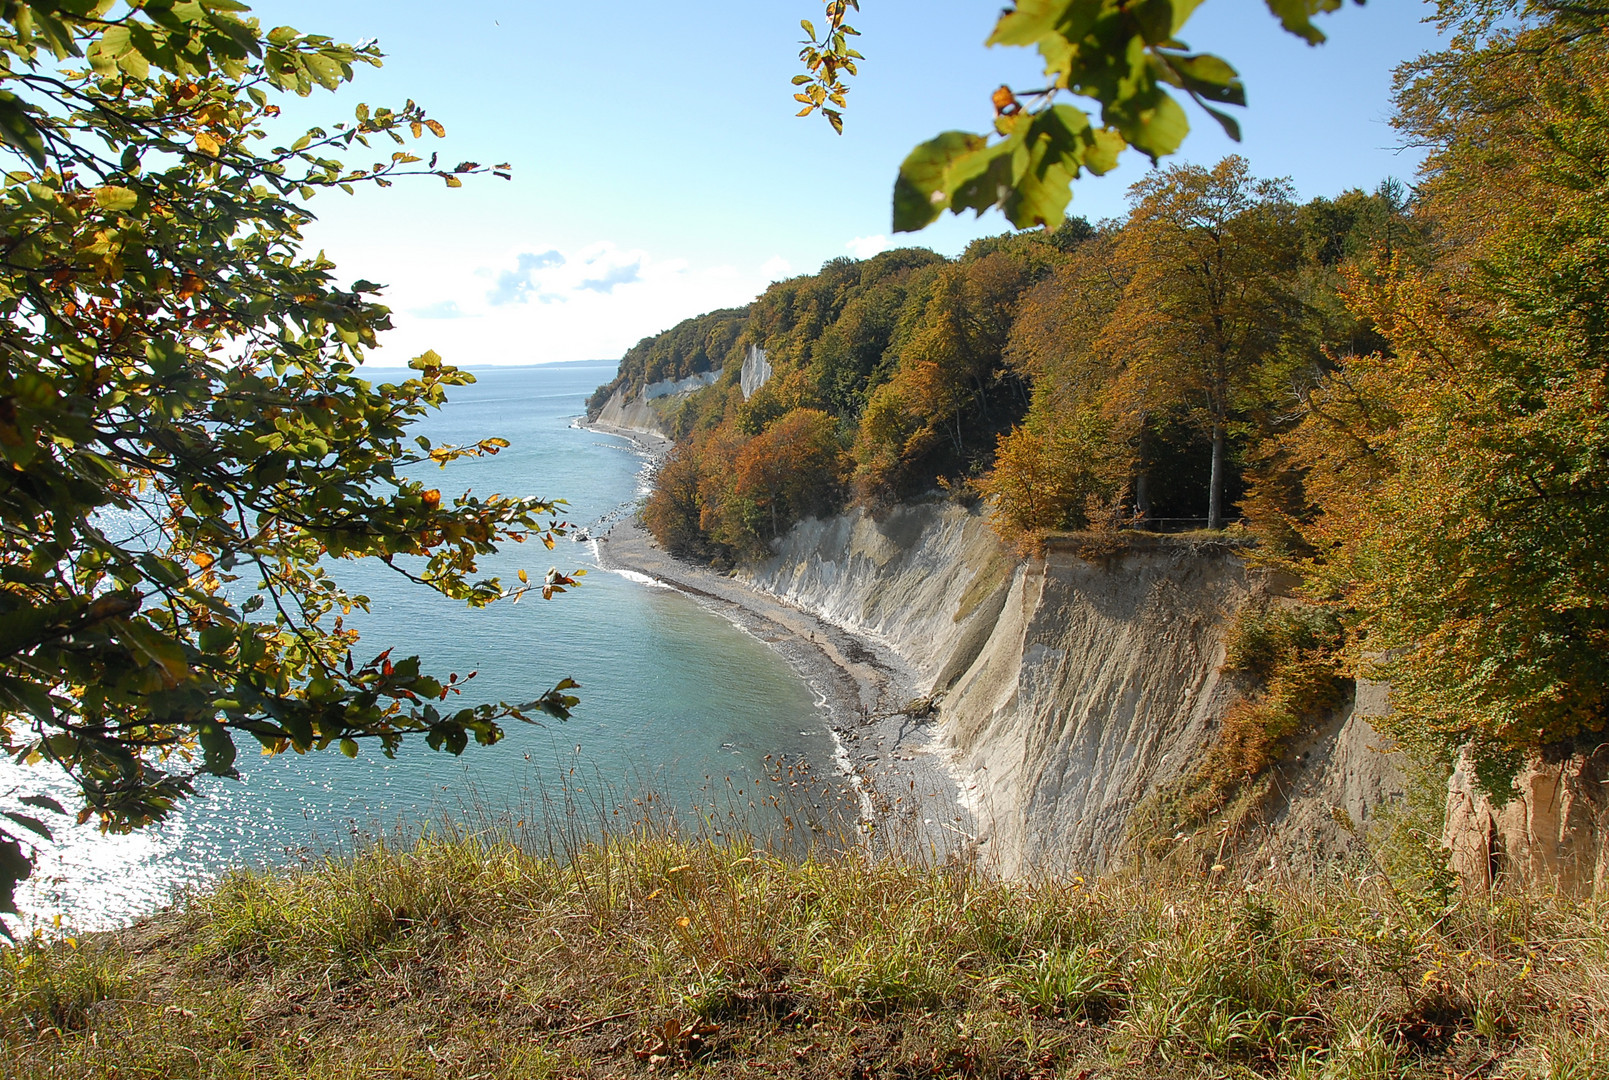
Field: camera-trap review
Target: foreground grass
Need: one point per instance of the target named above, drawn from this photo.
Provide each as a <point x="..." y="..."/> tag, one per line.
<point x="457" y="958"/>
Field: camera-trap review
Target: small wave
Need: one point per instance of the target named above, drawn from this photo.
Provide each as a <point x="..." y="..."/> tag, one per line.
<point x="641" y="579"/>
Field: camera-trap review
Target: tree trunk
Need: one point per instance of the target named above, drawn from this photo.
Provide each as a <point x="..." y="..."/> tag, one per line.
<point x="1142" y="476"/>
<point x="1215" y="500"/>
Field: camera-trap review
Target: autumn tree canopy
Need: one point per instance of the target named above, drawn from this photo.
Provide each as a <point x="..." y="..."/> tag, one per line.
<point x="1455" y="492"/>
<point x="1208" y="257"/>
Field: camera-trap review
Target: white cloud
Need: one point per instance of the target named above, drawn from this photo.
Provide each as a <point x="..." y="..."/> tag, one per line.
<point x="441" y="309"/>
<point x="516" y="285"/>
<point x="864" y="247"/>
<point x="615" y="275"/>
<point x="537" y="303"/>
<point x="776" y="268"/>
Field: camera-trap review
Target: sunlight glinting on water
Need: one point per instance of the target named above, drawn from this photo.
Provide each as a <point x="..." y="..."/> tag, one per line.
<point x="674" y="698"/>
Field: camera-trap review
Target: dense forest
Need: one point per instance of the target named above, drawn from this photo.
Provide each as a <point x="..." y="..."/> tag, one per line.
<point x="692" y="347"/>
<point x="1135" y="368"/>
<point x="1398" y="394"/>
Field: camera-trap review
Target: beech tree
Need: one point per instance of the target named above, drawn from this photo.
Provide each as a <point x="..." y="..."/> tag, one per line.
<point x="1207" y="256"/>
<point x="184" y="438"/>
<point x="1069" y="448"/>
<point x="790" y="471"/>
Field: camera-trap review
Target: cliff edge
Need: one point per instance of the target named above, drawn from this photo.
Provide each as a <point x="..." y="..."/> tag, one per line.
<point x="1068" y="691"/>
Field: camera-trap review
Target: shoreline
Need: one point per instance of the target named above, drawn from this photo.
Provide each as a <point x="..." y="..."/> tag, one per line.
<point x="909" y="797"/>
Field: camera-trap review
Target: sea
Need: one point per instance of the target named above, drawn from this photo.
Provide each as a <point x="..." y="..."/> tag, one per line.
<point x="682" y="714"/>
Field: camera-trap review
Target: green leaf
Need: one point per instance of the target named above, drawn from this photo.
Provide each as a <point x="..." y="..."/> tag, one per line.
<point x="1153" y="123"/>
<point x="164" y="650"/>
<point x="23" y="628"/>
<point x="112" y="197"/>
<point x="32" y="824"/>
<point x="43" y="802"/>
<point x="1058" y="141"/>
<point x="930" y="174"/>
<point x="1029" y="22"/>
<point x="1182" y="10"/>
<point x="103" y="54"/>
<point x="1161" y="20"/>
<point x="14" y="868"/>
<point x="1101" y="156"/>
<point x="1041" y="193"/>
<point x="215" y="639"/>
<point x="18" y="130"/>
<point x="1230" y="125"/>
<point x="1207" y="75"/>
<point x="28" y="696"/>
<point x="1296" y="16"/>
<point x="218" y="749"/>
<point x="163" y="571"/>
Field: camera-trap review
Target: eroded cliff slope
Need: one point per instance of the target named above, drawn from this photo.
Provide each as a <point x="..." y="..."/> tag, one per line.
<point x="1072" y="688"/>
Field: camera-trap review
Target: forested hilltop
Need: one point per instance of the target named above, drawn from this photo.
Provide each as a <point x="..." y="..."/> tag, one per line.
<point x="1091" y="370"/>
<point x="1399" y="394"/>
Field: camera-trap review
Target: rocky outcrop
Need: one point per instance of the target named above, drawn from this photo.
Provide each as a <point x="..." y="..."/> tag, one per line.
<point x="1071" y="688"/>
<point x="673" y="387"/>
<point x="644" y="412"/>
<point x="1553" y="834"/>
<point x="756" y="370"/>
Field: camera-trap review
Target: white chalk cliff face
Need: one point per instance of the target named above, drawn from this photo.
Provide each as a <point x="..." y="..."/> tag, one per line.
<point x="756" y="370"/>
<point x="671" y="387"/>
<point x="1072" y="689"/>
<point x="639" y="414"/>
<point x="1100" y="685"/>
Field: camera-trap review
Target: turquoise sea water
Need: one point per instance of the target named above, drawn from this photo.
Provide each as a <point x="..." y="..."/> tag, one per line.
<point x="674" y="698"/>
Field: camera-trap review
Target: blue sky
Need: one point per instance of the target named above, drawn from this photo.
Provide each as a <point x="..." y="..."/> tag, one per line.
<point x="659" y="171"/>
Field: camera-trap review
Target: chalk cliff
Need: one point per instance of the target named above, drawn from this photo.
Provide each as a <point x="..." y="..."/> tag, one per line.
<point x="756" y="370"/>
<point x="1553" y="834"/>
<point x="642" y="412"/>
<point x="1072" y="689"/>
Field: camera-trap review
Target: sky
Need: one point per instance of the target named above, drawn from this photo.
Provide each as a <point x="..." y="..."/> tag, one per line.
<point x="659" y="171"/>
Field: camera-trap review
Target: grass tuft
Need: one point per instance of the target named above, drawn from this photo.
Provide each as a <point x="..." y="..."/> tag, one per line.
<point x="461" y="957"/>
